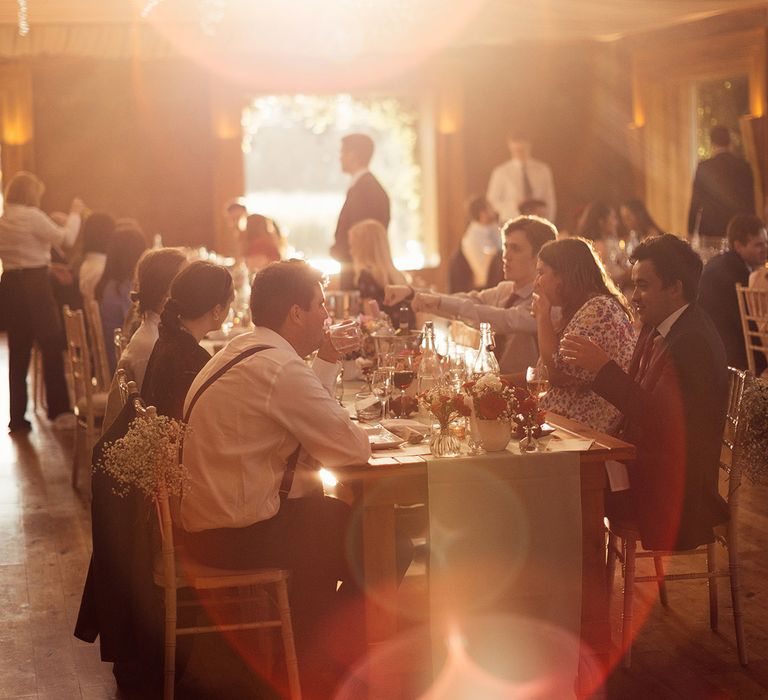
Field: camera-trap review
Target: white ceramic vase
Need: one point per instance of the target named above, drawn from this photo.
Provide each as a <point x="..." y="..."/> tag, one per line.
<point x="494" y="434"/>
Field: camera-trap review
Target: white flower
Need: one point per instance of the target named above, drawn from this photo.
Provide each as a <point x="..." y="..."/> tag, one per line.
<point x="147" y="457"/>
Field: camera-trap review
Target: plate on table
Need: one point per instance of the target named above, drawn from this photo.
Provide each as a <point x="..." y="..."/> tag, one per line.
<point x="380" y="438"/>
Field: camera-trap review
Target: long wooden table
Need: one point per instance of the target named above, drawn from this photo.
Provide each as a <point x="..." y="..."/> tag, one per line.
<point x="381" y="488"/>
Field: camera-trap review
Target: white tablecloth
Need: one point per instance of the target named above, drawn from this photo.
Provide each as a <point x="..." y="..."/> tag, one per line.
<point x="505" y="567"/>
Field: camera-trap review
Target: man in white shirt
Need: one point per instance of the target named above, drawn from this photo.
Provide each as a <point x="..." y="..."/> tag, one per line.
<point x="507" y="306"/>
<point x="244" y="431"/>
<point x="519" y="179"/>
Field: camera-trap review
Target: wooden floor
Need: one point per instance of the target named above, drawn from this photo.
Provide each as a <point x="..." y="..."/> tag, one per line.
<point x="45" y="546"/>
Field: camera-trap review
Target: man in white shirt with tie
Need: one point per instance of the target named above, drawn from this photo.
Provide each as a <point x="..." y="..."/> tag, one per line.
<point x="519" y="179"/>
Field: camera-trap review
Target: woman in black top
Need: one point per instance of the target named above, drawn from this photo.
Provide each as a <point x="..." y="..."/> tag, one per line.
<point x="199" y="301"/>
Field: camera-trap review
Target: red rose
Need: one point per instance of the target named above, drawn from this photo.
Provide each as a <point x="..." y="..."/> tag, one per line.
<point x="491" y="406"/>
<point x="526" y="406"/>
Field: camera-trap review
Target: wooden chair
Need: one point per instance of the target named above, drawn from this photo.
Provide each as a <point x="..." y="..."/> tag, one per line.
<point x="173" y="572"/>
<point x="121" y="342"/>
<point x="89" y="403"/>
<point x="628" y="536"/>
<point x="98" y="348"/>
<point x="753" y="309"/>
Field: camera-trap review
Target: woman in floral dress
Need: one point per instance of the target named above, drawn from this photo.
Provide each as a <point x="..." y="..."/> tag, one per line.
<point x="571" y="276"/>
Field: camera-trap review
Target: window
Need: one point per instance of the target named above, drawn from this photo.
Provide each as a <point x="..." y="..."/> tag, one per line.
<point x="720" y="102"/>
<point x="291" y="152"/>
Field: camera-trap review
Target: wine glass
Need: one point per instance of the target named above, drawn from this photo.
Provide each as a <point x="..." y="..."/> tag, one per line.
<point x="346" y="336"/>
<point x="381" y="385"/>
<point x="537" y="379"/>
<point x="402" y="378"/>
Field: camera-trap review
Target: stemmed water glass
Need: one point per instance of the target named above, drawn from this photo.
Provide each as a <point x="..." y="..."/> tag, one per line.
<point x="537" y="379"/>
<point x="381" y="386"/>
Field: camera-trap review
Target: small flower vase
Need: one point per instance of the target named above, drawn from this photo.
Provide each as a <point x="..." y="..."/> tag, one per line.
<point x="494" y="434"/>
<point x="528" y="443"/>
<point x="443" y="442"/>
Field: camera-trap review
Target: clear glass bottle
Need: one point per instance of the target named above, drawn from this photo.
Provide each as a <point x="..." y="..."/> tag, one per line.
<point x="486" y="362"/>
<point x="430" y="368"/>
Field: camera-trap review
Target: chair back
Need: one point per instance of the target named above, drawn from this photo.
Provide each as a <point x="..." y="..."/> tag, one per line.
<point x="98" y="348"/>
<point x="79" y="359"/>
<point x="732" y="436"/>
<point x="121" y="341"/>
<point x="753" y="309"/>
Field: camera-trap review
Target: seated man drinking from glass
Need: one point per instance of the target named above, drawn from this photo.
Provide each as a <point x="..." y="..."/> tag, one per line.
<point x="258" y="435"/>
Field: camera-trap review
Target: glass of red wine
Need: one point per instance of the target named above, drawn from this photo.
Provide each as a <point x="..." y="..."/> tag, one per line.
<point x="402" y="378"/>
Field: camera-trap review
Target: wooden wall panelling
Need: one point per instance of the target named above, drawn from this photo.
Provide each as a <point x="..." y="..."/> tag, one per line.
<point x="664" y="75"/>
<point x="16" y="119"/>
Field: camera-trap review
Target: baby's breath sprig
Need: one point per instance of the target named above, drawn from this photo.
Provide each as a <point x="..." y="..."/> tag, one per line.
<point x="147" y="457"/>
<point x="753" y="453"/>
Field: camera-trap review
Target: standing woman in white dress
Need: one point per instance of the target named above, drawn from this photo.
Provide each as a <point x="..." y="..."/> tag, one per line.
<point x="26" y="236"/>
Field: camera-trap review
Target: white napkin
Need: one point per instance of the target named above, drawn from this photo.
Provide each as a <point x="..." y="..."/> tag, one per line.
<point x="618" y="477"/>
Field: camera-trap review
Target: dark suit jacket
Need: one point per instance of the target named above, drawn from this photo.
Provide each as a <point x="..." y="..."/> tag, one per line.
<point x="366" y="199"/>
<point x="722" y="187"/>
<point x="120" y="603"/>
<point x="717" y="296"/>
<point x="675" y="418"/>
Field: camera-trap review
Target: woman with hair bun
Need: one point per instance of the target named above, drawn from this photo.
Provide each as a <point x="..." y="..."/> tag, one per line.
<point x="154" y="273"/>
<point x="199" y="301"/>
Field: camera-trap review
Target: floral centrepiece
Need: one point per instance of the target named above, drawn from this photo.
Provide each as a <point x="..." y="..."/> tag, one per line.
<point x="147" y="457"/>
<point x="492" y="398"/>
<point x="528" y="414"/>
<point x="445" y="404"/>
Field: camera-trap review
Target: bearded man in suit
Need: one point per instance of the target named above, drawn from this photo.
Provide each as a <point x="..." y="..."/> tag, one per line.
<point x="366" y="199"/>
<point x="673" y="401"/>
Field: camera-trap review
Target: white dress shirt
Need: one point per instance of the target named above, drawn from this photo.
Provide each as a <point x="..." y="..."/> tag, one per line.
<point x="136" y="354"/>
<point x="666" y="325"/>
<point x="90" y="273"/>
<point x="506" y="191"/>
<point x="479" y="245"/>
<point x="247" y="423"/>
<point x="27" y="234"/>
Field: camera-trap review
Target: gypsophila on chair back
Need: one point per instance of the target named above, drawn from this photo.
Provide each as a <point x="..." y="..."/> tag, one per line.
<point x="753" y="310"/>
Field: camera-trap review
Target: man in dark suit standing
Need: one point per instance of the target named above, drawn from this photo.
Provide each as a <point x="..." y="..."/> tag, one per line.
<point x="366" y="199"/>
<point x="722" y="187"/>
<point x="748" y="243"/>
<point x="673" y="401"/>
